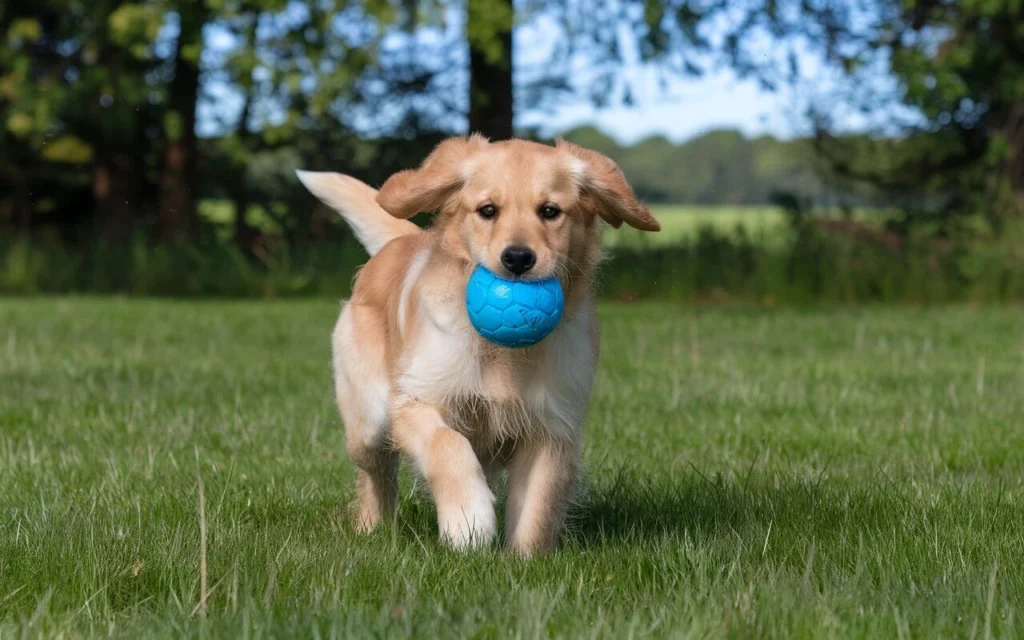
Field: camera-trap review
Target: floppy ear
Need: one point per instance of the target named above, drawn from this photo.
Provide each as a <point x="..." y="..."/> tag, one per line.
<point x="604" y="189"/>
<point x="425" y="189"/>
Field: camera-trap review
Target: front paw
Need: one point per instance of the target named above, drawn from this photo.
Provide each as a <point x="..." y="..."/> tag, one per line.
<point x="470" y="523"/>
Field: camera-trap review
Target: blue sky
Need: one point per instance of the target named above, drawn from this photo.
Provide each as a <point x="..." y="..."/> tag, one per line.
<point x="693" y="106"/>
<point x="675" y="107"/>
<point x="687" y="107"/>
<point x="717" y="100"/>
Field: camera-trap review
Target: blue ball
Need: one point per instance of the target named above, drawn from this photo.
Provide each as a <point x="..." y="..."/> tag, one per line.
<point x="513" y="313"/>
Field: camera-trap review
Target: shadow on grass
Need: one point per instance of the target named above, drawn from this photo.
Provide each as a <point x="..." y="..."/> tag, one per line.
<point x="627" y="505"/>
<point x="631" y="506"/>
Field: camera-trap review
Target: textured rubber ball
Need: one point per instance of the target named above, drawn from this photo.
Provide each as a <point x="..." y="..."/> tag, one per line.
<point x="513" y="313"/>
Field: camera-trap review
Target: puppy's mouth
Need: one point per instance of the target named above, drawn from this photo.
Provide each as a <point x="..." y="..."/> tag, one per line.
<point x="525" y="277"/>
<point x="533" y="274"/>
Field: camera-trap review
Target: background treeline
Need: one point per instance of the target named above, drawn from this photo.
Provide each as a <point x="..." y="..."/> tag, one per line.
<point x="726" y="168"/>
<point x="148" y="146"/>
<point x="717" y="168"/>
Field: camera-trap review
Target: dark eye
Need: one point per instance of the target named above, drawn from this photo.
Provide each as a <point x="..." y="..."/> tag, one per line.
<point x="487" y="211"/>
<point x="549" y="212"/>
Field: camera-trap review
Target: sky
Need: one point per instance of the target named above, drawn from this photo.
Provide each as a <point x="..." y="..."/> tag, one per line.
<point x="717" y="100"/>
<point x="692" y="106"/>
<point x="687" y="107"/>
<point x="675" y="107"/>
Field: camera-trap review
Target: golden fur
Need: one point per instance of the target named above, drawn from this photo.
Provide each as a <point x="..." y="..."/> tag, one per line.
<point x="413" y="377"/>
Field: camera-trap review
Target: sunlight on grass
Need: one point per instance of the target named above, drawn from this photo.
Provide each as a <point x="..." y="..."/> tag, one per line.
<point x="678" y="222"/>
<point x="683" y="222"/>
<point x="770" y="474"/>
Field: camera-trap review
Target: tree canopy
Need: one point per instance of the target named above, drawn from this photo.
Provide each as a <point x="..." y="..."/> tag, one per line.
<point x="118" y="116"/>
<point x="937" y="87"/>
<point x="127" y="111"/>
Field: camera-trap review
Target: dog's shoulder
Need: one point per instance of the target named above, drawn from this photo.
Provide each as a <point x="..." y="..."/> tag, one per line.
<point x="377" y="282"/>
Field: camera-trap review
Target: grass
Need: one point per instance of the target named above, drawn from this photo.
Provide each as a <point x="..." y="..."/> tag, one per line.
<point x="750" y="474"/>
<point x="679" y="222"/>
<point x="765" y="225"/>
<point x="761" y="260"/>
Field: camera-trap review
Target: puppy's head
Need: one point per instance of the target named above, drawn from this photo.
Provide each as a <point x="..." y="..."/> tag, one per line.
<point x="522" y="209"/>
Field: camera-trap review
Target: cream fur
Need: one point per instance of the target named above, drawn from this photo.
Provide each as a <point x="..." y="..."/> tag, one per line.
<point x="411" y="374"/>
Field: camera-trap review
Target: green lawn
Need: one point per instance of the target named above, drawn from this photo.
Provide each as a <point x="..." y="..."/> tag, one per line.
<point x="762" y="224"/>
<point x="749" y="474"/>
<point x="683" y="221"/>
<point x="679" y="221"/>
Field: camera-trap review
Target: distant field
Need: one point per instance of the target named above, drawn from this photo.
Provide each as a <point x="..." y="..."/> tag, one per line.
<point x="678" y="221"/>
<point x="749" y="474"/>
<point x="684" y="221"/>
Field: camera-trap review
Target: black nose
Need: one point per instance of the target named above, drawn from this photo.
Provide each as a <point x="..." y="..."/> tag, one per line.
<point x="518" y="260"/>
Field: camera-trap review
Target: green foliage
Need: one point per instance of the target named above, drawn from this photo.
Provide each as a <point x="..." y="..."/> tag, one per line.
<point x="135" y="26"/>
<point x="79" y="104"/>
<point x="23" y="31"/>
<point x="749" y="263"/>
<point x="959" y="72"/>
<point x="749" y="474"/>
<point x="88" y="122"/>
<point x="488" y="19"/>
<point x="725" y="168"/>
<point x="173" y="126"/>
<point x="69" y="149"/>
<point x="86" y="96"/>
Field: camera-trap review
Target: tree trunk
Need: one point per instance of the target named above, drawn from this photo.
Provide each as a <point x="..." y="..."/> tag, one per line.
<point x="1014" y="132"/>
<point x="115" y="189"/>
<point x="177" y="217"/>
<point x="489" y="29"/>
<point x="244" y="233"/>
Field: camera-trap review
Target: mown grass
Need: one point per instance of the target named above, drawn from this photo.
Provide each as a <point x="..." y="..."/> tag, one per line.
<point x="766" y="226"/>
<point x="749" y="474"/>
<point x="679" y="222"/>
<point x="751" y="256"/>
<point x="807" y="268"/>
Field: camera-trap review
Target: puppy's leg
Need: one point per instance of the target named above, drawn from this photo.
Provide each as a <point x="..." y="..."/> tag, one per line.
<point x="465" y="504"/>
<point x="361" y="386"/>
<point x="377" y="480"/>
<point x="541" y="479"/>
<point x="376" y="489"/>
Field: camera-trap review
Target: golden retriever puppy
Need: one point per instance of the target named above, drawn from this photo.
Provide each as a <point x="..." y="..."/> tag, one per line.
<point x="413" y="377"/>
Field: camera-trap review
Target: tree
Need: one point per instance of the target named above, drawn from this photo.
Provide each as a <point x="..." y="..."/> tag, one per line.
<point x="177" y="213"/>
<point x="104" y="95"/>
<point x="75" y="102"/>
<point x="940" y="86"/>
<point x="491" y="93"/>
<point x="568" y="50"/>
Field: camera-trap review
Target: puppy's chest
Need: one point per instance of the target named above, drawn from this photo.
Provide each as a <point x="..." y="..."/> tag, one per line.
<point x="451" y="362"/>
<point x="483" y="388"/>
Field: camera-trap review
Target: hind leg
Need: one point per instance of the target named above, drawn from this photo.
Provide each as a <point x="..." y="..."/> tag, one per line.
<point x="376" y="491"/>
<point x="362" y="391"/>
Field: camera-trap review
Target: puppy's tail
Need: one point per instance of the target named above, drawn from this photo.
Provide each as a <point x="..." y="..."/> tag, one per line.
<point x="356" y="202"/>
